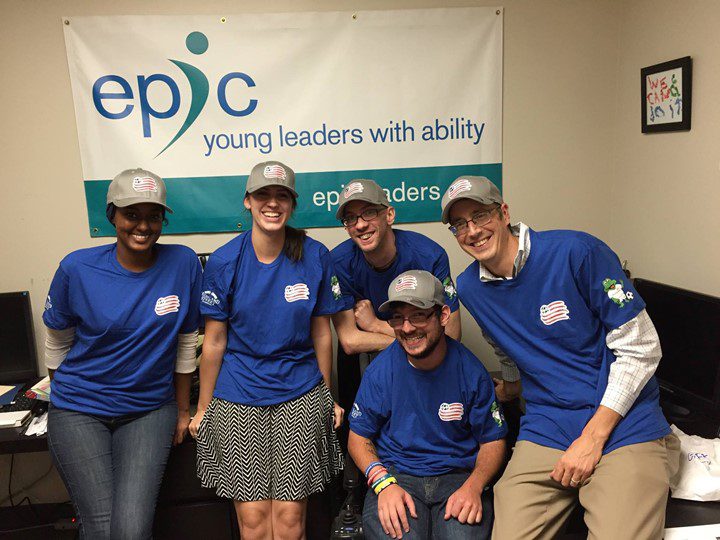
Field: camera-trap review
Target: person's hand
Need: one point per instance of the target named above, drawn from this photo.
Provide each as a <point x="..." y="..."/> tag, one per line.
<point x="465" y="505"/>
<point x="578" y="462"/>
<point x="339" y="414"/>
<point x="181" y="427"/>
<point x="506" y="391"/>
<point x="365" y="316"/>
<point x="391" y="510"/>
<point x="195" y="423"/>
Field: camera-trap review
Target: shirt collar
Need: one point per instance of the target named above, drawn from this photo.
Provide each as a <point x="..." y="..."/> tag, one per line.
<point x="522" y="232"/>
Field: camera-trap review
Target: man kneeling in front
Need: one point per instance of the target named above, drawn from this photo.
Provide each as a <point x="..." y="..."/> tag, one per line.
<point x="425" y="426"/>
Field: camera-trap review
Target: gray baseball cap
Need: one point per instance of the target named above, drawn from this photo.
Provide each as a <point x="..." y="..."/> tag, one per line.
<point x="361" y="189"/>
<point x="477" y="188"/>
<point x="136" y="186"/>
<point x="417" y="288"/>
<point x="271" y="173"/>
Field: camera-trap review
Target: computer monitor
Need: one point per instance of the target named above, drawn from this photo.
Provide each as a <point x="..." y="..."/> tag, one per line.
<point x="688" y="324"/>
<point x="18" y="361"/>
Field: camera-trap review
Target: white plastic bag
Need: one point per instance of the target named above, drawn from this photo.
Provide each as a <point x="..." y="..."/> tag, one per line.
<point x="698" y="477"/>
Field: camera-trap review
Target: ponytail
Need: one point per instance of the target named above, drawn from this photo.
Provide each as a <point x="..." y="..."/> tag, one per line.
<point x="294" y="240"/>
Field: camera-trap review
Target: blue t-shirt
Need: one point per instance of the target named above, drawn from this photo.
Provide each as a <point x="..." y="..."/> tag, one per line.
<point x="126" y="327"/>
<point x="552" y="320"/>
<point x="269" y="357"/>
<point x="427" y="423"/>
<point x="359" y="281"/>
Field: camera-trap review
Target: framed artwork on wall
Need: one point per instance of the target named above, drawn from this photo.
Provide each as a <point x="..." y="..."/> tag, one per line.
<point x="666" y="96"/>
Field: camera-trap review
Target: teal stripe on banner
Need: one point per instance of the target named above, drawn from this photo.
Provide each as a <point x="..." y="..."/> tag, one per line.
<point x="215" y="203"/>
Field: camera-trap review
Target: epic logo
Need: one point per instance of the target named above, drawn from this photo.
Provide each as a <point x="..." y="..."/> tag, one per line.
<point x="197" y="43"/>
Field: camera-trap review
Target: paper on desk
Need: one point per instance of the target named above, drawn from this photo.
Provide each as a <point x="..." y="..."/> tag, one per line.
<point x="13" y="419"/>
<point x="41" y="390"/>
<point x="7" y="393"/>
<point x="701" y="532"/>
<point x="38" y="426"/>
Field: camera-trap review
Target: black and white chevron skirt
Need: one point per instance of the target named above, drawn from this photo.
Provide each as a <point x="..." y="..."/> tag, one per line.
<point x="283" y="452"/>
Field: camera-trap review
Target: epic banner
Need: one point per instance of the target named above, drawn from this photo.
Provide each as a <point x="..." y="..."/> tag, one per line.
<point x="411" y="99"/>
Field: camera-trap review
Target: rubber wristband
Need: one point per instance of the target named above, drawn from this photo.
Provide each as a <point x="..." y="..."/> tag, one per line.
<point x="375" y="474"/>
<point x="385" y="484"/>
<point x="369" y="467"/>
<point x="380" y="480"/>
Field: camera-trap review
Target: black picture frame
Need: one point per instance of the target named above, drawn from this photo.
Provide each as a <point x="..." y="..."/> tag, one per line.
<point x="660" y="109"/>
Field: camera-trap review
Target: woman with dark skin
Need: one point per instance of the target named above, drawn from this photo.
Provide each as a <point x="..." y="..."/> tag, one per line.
<point x="122" y="324"/>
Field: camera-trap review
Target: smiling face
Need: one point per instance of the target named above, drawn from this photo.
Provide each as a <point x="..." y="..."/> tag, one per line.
<point x="138" y="226"/>
<point x="369" y="235"/>
<point x="271" y="208"/>
<point x="419" y="342"/>
<point x="490" y="243"/>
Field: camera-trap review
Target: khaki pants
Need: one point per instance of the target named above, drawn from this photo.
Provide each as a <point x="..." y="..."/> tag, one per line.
<point x="625" y="498"/>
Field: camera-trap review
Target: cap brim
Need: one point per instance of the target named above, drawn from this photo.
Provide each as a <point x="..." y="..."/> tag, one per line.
<point x="291" y="190"/>
<point x="364" y="198"/>
<point x="446" y="211"/>
<point x="385" y="306"/>
<point x="139" y="200"/>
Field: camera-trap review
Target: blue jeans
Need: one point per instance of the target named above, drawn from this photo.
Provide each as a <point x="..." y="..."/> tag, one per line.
<point x="112" y="467"/>
<point x="430" y="495"/>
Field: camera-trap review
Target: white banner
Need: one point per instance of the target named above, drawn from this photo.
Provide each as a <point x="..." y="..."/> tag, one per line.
<point x="410" y="98"/>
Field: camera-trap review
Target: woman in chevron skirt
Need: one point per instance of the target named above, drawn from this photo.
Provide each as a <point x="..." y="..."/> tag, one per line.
<point x="265" y="421"/>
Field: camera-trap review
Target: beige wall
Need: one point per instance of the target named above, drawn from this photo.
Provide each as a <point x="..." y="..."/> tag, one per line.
<point x="574" y="156"/>
<point x="554" y="165"/>
<point x="666" y="186"/>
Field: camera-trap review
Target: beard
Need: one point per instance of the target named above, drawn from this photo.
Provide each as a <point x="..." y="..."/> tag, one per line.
<point x="428" y="350"/>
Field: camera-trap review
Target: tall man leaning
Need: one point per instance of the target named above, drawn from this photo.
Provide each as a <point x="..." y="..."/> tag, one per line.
<point x="566" y="321"/>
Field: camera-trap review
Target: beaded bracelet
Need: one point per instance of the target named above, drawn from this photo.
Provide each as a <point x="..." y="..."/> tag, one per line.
<point x="386" y="482"/>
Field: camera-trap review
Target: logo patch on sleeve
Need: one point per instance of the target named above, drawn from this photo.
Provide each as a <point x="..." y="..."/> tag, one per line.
<point x="209" y="298"/>
<point x="167" y="304"/>
<point x="497" y="414"/>
<point x="296" y="292"/>
<point x="614" y="290"/>
<point x="356" y="412"/>
<point x="449" y="286"/>
<point x="554" y="312"/>
<point x="48" y="303"/>
<point x="449" y="412"/>
<point x="335" y="286"/>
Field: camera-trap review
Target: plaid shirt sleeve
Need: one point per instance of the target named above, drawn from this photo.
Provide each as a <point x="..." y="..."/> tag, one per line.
<point x="637" y="349"/>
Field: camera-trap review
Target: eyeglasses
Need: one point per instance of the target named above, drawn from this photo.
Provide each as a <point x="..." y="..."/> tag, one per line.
<point x="480" y="219"/>
<point x="417" y="319"/>
<point x="367" y="215"/>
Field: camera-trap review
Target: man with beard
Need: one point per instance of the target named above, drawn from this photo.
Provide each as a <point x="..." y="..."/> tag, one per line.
<point x="424" y="406"/>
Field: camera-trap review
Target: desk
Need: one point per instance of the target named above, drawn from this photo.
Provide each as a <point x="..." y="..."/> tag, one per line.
<point x="12" y="441"/>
